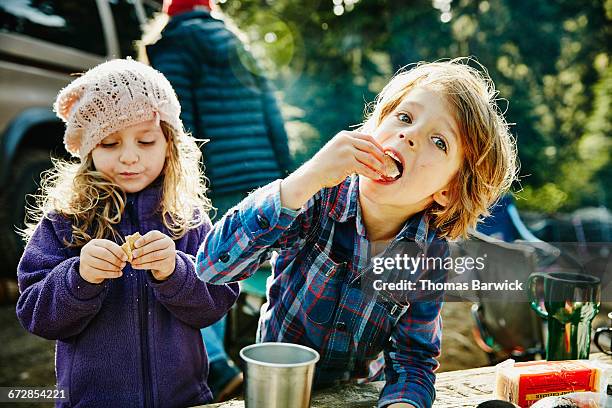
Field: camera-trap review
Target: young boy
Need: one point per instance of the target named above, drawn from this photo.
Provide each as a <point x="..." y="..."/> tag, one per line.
<point x="431" y="158"/>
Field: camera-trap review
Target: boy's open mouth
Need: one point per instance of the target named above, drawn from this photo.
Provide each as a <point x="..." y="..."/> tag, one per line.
<point x="393" y="166"/>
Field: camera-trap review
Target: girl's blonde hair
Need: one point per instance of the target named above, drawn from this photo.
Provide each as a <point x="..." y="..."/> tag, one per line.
<point x="151" y="33"/>
<point x="490" y="163"/>
<point x="94" y="204"/>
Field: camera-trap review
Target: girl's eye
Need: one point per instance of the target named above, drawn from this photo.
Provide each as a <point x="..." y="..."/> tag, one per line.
<point x="440" y="143"/>
<point x="108" y="145"/>
<point x="146" y="143"/>
<point x="404" y="117"/>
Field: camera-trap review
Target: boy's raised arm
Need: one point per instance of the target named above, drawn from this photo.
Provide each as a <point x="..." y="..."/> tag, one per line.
<point x="345" y="154"/>
<point x="298" y="188"/>
<point x="243" y="238"/>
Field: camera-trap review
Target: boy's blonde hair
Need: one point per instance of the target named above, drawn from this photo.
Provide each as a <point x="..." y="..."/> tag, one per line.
<point x="94" y="204"/>
<point x="490" y="164"/>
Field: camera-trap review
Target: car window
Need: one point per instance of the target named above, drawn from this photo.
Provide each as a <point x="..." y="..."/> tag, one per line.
<point x="127" y="25"/>
<point x="71" y="23"/>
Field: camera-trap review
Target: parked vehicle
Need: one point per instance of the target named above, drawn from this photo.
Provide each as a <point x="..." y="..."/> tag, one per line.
<point x="43" y="43"/>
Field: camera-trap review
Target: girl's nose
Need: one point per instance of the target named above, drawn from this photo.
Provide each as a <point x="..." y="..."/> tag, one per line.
<point x="129" y="156"/>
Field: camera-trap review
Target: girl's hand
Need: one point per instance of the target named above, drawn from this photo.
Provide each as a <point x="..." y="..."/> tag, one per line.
<point x="157" y="252"/>
<point x="345" y="154"/>
<point x="101" y="259"/>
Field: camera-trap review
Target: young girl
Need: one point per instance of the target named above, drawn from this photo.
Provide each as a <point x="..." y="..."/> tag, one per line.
<point x="127" y="329"/>
<point x="428" y="162"/>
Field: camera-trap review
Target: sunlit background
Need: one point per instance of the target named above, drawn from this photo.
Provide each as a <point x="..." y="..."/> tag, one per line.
<point x="550" y="61"/>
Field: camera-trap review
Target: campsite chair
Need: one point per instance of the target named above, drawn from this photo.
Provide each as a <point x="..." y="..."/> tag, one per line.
<point x="506" y="329"/>
<point x="504" y="326"/>
<point x="584" y="234"/>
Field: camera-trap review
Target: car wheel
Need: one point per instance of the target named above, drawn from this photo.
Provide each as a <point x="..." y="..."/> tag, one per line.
<point x="24" y="179"/>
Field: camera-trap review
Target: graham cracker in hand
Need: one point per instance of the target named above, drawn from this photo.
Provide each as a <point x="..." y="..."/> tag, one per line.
<point x="128" y="247"/>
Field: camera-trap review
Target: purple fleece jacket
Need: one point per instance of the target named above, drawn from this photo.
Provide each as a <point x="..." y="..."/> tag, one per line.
<point x="127" y="342"/>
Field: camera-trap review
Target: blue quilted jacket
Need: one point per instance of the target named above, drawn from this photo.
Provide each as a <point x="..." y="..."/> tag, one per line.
<point x="223" y="101"/>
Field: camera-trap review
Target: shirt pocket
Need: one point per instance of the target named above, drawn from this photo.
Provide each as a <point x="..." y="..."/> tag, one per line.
<point x="322" y="285"/>
<point x="377" y="335"/>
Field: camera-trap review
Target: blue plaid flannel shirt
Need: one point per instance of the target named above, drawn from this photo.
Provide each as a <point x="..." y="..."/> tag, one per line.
<point x="315" y="297"/>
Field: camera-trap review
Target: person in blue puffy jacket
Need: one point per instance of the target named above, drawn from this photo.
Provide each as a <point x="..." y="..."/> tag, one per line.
<point x="233" y="108"/>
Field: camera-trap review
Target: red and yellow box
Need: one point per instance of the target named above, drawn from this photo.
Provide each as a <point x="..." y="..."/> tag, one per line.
<point x="525" y="383"/>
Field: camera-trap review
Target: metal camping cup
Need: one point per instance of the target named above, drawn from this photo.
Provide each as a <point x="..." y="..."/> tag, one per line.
<point x="604" y="344"/>
<point x="569" y="302"/>
<point x="278" y="375"/>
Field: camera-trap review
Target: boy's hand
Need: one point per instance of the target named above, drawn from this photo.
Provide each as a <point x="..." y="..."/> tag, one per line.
<point x="101" y="259"/>
<point x="346" y="153"/>
<point x="157" y="252"/>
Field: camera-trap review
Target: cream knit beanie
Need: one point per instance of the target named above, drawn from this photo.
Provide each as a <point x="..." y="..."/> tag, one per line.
<point x="110" y="97"/>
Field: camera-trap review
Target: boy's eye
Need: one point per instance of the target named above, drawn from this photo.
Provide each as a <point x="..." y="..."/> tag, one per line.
<point x="440" y="143"/>
<point x="404" y="117"/>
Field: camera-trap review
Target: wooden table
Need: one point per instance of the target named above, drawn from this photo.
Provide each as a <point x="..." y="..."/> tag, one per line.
<point x="457" y="389"/>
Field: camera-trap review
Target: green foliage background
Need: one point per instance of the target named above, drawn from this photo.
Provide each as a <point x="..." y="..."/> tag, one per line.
<point x="550" y="60"/>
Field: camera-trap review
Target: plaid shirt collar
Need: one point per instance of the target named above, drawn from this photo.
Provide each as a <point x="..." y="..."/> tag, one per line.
<point x="346" y="205"/>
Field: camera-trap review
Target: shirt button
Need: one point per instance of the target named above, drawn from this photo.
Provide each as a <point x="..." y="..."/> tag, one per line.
<point x="262" y="222"/>
<point x="224" y="257"/>
<point x="341" y="326"/>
